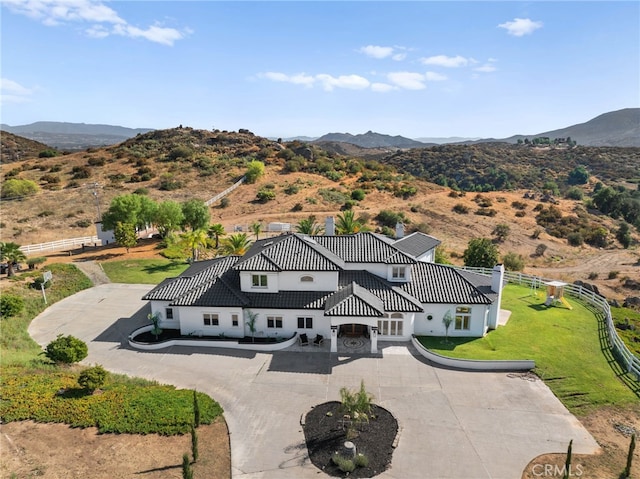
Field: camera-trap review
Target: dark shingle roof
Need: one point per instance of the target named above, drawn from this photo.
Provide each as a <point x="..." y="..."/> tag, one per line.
<point x="416" y="244"/>
<point x="363" y="248"/>
<point x="353" y="300"/>
<point x="198" y="273"/>
<point x="288" y="253"/>
<point x="436" y="283"/>
<point x="393" y="298"/>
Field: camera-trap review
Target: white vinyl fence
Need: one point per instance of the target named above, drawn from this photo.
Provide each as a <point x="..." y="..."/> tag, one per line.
<point x="626" y="358"/>
<point x="219" y="196"/>
<point x="60" y="244"/>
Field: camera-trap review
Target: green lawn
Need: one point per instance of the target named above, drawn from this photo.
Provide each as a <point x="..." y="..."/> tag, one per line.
<point x="143" y="271"/>
<point x="568" y="346"/>
<point x="631" y="337"/>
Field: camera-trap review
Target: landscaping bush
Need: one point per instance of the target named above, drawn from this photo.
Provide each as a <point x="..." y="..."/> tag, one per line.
<point x="93" y="378"/>
<point x="66" y="349"/>
<point x="10" y="305"/>
<point x="513" y="262"/>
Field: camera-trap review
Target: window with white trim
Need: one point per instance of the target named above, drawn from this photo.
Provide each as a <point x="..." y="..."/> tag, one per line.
<point x="274" y="322"/>
<point x="390" y="327"/>
<point x="305" y="323"/>
<point x="210" y="319"/>
<point x="399" y="273"/>
<point x="168" y="312"/>
<point x="234" y="320"/>
<point x="463" y="318"/>
<point x="306" y="279"/>
<point x="258" y="280"/>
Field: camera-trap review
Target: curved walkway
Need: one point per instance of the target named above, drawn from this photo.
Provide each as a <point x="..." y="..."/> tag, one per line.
<point x="454" y="424"/>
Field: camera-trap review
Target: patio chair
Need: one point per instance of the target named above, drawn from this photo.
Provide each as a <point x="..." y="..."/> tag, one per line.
<point x="303" y="340"/>
<point x="319" y="340"/>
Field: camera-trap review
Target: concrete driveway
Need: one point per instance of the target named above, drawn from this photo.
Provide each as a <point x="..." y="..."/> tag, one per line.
<point x="454" y="424"/>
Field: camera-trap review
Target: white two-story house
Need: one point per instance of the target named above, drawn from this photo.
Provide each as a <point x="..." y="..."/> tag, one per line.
<point x="330" y="285"/>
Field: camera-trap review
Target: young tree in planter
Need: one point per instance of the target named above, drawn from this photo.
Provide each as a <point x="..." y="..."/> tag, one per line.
<point x="155" y="320"/>
<point x="253" y="317"/>
<point x="357" y="405"/>
<point x="447" y="320"/>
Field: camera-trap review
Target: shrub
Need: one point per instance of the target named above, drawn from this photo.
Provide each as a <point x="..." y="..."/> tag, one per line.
<point x="255" y="169"/>
<point x="519" y="205"/>
<point x="536" y="233"/>
<point x="593" y="275"/>
<point x="520" y="214"/>
<point x="265" y="195"/>
<point x="66" y="349"/>
<point x="291" y="189"/>
<point x="540" y="249"/>
<point x="45" y="213"/>
<point x="513" y="262"/>
<point x="80" y="172"/>
<point x="10" y="305"/>
<point x="180" y="152"/>
<point x="169" y="183"/>
<point x="100" y="161"/>
<point x="358" y="194"/>
<point x="224" y="202"/>
<point x="390" y="219"/>
<point x="50" y="153"/>
<point x="344" y="464"/>
<point x="361" y="460"/>
<point x="575" y="239"/>
<point x="34" y="262"/>
<point x="481" y="252"/>
<point x="574" y="193"/>
<point x="93" y="378"/>
<point x="85" y="223"/>
<point x="613" y="274"/>
<point x="50" y="179"/>
<point x="460" y="209"/>
<point x="578" y="176"/>
<point x="297" y="207"/>
<point x="15" y="188"/>
<point x="486" y="212"/>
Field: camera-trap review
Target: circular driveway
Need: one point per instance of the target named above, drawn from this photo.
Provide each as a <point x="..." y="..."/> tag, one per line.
<point x="454" y="424"/>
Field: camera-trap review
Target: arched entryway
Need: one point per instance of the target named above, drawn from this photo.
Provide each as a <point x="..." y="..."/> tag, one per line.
<point x="354" y="327"/>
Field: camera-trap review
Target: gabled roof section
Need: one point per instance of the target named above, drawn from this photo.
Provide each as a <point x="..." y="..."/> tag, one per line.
<point x="197" y="274"/>
<point x="393" y="298"/>
<point x="363" y="248"/>
<point x="354" y="300"/>
<point x="436" y="283"/>
<point x="291" y="252"/>
<point x="216" y="292"/>
<point x="416" y="244"/>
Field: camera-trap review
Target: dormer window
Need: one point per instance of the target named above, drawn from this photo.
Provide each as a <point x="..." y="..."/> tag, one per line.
<point x="258" y="280"/>
<point x="306" y="279"/>
<point x="399" y="273"/>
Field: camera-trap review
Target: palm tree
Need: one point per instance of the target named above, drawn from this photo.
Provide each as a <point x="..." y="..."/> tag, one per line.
<point x="215" y="231"/>
<point x="256" y="228"/>
<point x="308" y="226"/>
<point x="348" y="224"/>
<point x="195" y="240"/>
<point x="236" y="244"/>
<point x="12" y="254"/>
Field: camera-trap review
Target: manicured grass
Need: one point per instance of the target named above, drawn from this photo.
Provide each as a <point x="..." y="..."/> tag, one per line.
<point x="122" y="406"/>
<point x="568" y="346"/>
<point x="15" y="343"/>
<point x="142" y="271"/>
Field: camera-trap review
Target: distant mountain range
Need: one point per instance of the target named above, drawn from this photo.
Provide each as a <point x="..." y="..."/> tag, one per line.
<point x="73" y="136"/>
<point x="616" y="128"/>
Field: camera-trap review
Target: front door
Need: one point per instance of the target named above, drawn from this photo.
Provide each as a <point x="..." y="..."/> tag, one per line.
<point x="352" y="330"/>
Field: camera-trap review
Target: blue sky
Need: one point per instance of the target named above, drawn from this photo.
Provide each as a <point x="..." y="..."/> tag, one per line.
<point x="282" y="69"/>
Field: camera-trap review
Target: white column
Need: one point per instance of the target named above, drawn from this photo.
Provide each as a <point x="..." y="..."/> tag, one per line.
<point x="334" y="339"/>
<point x="374" y="339"/>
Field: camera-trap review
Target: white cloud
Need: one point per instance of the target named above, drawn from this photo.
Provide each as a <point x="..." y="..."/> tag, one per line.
<point x="445" y="61"/>
<point x="486" y="68"/>
<point x="374" y="51"/>
<point x="299" y="79"/>
<point x="433" y="76"/>
<point x="382" y="87"/>
<point x="12" y="92"/>
<point x="352" y="82"/>
<point x="520" y="26"/>
<point x="105" y="21"/>
<point x="395" y="53"/>
<point x="408" y="80"/>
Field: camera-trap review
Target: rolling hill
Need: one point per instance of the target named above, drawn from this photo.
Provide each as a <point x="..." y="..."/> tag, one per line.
<point x="16" y="148"/>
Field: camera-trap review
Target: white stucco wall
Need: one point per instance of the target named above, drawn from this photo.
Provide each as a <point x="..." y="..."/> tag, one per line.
<point x="321" y="324"/>
<point x="191" y="321"/>
<point x="247" y="285"/>
<point x="428" y="257"/>
<point x="435" y="327"/>
<point x="160" y="307"/>
<point x="322" y="281"/>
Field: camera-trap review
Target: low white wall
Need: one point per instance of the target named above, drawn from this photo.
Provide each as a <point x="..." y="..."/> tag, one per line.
<point x="474" y="364"/>
<point x="206" y="343"/>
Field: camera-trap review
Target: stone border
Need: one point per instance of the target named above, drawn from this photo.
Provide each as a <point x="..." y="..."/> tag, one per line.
<point x="474" y="364"/>
<point x="206" y="343"/>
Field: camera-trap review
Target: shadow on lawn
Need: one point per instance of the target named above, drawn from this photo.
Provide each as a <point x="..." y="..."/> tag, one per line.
<point x="162" y="268"/>
<point x="603" y="337"/>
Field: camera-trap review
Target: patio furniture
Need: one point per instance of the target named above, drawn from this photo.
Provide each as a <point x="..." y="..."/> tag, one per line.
<point x="303" y="340"/>
<point x="319" y="340"/>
